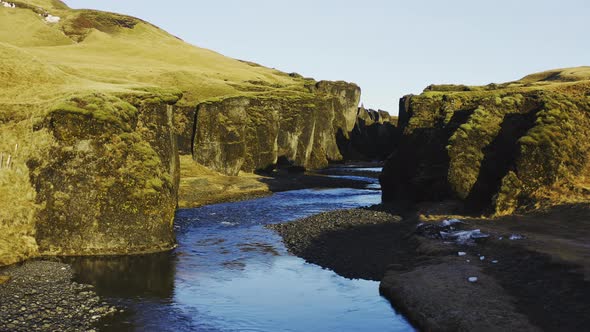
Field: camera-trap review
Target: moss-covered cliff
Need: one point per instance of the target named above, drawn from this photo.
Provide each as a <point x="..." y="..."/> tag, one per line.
<point x="252" y="133"/>
<point x="109" y="183"/>
<point x="519" y="145"/>
<point x="93" y="118"/>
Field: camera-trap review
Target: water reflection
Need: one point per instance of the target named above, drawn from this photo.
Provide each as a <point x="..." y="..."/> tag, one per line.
<point x="144" y="276"/>
<point x="229" y="273"/>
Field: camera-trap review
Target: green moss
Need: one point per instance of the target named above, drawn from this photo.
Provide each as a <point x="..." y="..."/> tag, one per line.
<point x="98" y="107"/>
<point x="507" y="200"/>
<point x="85" y="21"/>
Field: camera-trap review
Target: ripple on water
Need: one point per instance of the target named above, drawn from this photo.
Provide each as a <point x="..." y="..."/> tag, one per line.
<point x="229" y="273"/>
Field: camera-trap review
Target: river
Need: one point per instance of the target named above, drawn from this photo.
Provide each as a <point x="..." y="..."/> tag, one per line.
<point x="230" y="273"/>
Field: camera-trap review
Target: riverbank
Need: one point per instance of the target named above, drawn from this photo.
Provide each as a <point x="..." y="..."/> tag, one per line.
<point x="201" y="186"/>
<point x="539" y="280"/>
<point x="41" y="296"/>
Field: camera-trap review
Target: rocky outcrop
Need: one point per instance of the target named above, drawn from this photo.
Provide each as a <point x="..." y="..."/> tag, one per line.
<point x="89" y="153"/>
<point x="498" y="148"/>
<point x="106" y="181"/>
<point x="109" y="183"/>
<point x="374" y="136"/>
<point x="250" y="133"/>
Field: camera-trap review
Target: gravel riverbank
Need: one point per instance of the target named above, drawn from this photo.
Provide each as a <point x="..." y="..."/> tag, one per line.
<point x="535" y="280"/>
<point x="41" y="296"/>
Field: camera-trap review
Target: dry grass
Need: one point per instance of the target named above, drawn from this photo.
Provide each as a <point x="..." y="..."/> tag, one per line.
<point x="17" y="223"/>
<point x="91" y="52"/>
<point x="200" y="185"/>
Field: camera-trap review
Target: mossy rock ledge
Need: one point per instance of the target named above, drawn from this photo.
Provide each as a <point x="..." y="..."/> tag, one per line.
<point x="500" y="148"/>
<point x="250" y="133"/>
<point x="94" y="118"/>
<point x="109" y="183"/>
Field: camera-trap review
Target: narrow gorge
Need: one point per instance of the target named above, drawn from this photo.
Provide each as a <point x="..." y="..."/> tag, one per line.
<point x="150" y="184"/>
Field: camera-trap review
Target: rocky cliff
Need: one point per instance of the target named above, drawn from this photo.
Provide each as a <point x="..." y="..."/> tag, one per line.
<point x="374" y="137"/>
<point x="89" y="152"/>
<point x="109" y="183"/>
<point x="499" y="148"/>
<point x="252" y="133"/>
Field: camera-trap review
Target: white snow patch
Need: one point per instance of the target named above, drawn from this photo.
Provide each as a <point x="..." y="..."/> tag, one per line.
<point x="450" y="222"/>
<point x="52" y="19"/>
<point x="482" y="258"/>
<point x="461" y="253"/>
<point x="494" y="262"/>
<point x="516" y="237"/>
<point x="472" y="279"/>
<point x="463" y="237"/>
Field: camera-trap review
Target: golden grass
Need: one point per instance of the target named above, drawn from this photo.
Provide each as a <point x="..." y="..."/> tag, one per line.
<point x="43" y="61"/>
<point x="43" y="65"/>
<point x="200" y="185"/>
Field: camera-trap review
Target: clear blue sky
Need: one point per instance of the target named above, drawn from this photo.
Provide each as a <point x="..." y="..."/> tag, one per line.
<point x="390" y="48"/>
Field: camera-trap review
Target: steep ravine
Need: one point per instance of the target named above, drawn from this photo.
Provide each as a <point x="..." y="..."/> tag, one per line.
<point x="108" y="182"/>
<point x="498" y="148"/>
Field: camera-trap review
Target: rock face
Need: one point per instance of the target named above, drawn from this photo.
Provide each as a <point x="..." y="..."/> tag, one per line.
<point x="374" y="136"/>
<point x="109" y="183"/>
<point x="89" y="153"/>
<point x="253" y="133"/>
<point x="499" y="148"/>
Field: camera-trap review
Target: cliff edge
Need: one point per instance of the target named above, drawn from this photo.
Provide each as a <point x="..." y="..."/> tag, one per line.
<point x="96" y="109"/>
<point x="498" y="148"/>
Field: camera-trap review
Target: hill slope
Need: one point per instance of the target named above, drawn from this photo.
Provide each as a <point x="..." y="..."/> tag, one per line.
<point x="95" y="108"/>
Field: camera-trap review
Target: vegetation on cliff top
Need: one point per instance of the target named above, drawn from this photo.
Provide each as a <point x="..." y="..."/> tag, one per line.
<point x="516" y="145"/>
<point x="109" y="68"/>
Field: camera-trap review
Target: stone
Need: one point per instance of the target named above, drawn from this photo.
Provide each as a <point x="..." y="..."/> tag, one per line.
<point x="499" y="149"/>
<point x="252" y="133"/>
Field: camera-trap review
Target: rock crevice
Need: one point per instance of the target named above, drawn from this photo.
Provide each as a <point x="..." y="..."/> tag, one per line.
<point x="499" y="149"/>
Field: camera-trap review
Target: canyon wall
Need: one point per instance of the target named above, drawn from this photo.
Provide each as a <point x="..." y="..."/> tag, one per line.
<point x="498" y="148"/>
<point x="374" y="137"/>
<point x="108" y="184"/>
<point x="250" y="133"/>
<point x="105" y="177"/>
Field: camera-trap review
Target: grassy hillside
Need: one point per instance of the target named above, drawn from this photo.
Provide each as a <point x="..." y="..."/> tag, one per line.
<point x="91" y="50"/>
<point x="81" y="76"/>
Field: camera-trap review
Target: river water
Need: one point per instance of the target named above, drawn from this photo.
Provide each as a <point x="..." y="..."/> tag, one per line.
<point x="230" y="273"/>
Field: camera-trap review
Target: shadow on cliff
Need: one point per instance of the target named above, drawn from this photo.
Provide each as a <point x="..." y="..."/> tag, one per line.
<point x="417" y="170"/>
<point x="499" y="158"/>
<point x="422" y="174"/>
<point x="368" y="143"/>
